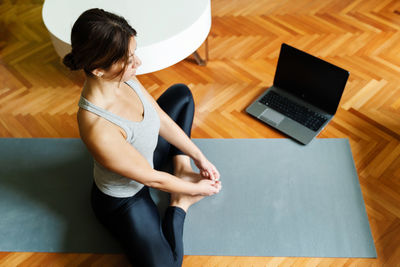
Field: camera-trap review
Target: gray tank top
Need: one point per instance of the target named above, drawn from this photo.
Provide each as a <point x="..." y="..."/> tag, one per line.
<point x="143" y="136"/>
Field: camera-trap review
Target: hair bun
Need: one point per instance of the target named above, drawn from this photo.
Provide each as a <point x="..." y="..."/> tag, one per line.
<point x="69" y="61"/>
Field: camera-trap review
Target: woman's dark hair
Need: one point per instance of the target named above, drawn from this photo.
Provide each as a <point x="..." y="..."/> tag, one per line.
<point x="98" y="39"/>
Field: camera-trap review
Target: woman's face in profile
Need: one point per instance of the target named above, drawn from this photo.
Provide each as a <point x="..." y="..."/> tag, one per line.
<point x="131" y="67"/>
<point x="133" y="61"/>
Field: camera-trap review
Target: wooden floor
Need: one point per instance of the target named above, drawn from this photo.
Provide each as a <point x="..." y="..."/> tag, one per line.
<point x="38" y="98"/>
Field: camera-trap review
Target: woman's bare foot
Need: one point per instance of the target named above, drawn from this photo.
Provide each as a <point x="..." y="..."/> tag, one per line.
<point x="183" y="200"/>
<point x="183" y="170"/>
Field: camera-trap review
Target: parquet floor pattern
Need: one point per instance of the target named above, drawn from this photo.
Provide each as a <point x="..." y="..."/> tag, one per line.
<point x="38" y="98"/>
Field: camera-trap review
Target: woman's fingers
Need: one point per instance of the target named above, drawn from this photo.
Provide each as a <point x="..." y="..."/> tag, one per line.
<point x="208" y="170"/>
<point x="204" y="173"/>
<point x="211" y="187"/>
<point x="216" y="174"/>
<point x="218" y="185"/>
<point x="211" y="173"/>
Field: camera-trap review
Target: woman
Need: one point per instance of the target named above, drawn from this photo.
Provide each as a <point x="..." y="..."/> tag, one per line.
<point x="131" y="137"/>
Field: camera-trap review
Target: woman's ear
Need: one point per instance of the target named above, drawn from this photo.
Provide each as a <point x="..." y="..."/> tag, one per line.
<point x="98" y="72"/>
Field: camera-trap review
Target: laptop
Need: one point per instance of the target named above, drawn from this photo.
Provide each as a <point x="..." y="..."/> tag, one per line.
<point x="304" y="96"/>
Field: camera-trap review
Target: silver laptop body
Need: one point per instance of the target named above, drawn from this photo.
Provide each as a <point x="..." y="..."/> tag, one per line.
<point x="316" y="86"/>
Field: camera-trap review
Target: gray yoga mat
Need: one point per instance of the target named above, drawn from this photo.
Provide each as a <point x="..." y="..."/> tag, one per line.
<point x="279" y="198"/>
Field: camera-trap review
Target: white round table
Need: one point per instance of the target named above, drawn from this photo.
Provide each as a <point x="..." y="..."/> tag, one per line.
<point x="168" y="31"/>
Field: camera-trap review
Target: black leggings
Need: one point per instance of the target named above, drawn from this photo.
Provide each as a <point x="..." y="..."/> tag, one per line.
<point x="135" y="220"/>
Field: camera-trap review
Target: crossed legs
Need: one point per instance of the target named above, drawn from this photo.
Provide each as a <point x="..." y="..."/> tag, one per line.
<point x="177" y="102"/>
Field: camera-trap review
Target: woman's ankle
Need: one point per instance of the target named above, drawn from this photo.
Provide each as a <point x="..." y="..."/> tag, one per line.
<point x="180" y="203"/>
<point x="181" y="164"/>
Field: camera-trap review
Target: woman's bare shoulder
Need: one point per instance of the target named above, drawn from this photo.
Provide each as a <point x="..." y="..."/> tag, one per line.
<point x="93" y="128"/>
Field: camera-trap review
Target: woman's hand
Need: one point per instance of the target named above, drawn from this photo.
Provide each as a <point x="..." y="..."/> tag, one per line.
<point x="207" y="169"/>
<point x="209" y="187"/>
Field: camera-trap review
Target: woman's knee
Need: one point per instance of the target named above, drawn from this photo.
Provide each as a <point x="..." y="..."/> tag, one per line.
<point x="181" y="90"/>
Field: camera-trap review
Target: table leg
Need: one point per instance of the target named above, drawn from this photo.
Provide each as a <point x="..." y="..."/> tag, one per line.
<point x="198" y="58"/>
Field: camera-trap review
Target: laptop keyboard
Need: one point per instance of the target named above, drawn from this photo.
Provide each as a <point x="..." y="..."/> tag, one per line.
<point x="302" y="115"/>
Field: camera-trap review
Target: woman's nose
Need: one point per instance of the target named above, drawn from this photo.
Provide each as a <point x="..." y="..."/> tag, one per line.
<point x="138" y="62"/>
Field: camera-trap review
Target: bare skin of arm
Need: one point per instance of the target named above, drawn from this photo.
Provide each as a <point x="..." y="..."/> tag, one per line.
<point x="171" y="132"/>
<point x="108" y="146"/>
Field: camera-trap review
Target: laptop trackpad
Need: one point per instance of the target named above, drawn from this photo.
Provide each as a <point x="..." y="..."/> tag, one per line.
<point x="271" y="116"/>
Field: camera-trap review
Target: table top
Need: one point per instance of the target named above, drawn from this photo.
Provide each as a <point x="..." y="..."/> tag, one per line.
<point x="167" y="31"/>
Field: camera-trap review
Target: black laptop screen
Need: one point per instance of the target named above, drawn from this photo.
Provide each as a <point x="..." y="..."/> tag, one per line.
<point x="316" y="81"/>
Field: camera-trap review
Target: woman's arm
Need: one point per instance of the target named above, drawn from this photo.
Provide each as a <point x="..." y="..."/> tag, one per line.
<point x="110" y="149"/>
<point x="171" y="132"/>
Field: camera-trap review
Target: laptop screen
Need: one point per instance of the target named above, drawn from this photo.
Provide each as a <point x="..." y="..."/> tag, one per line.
<point x="314" y="80"/>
